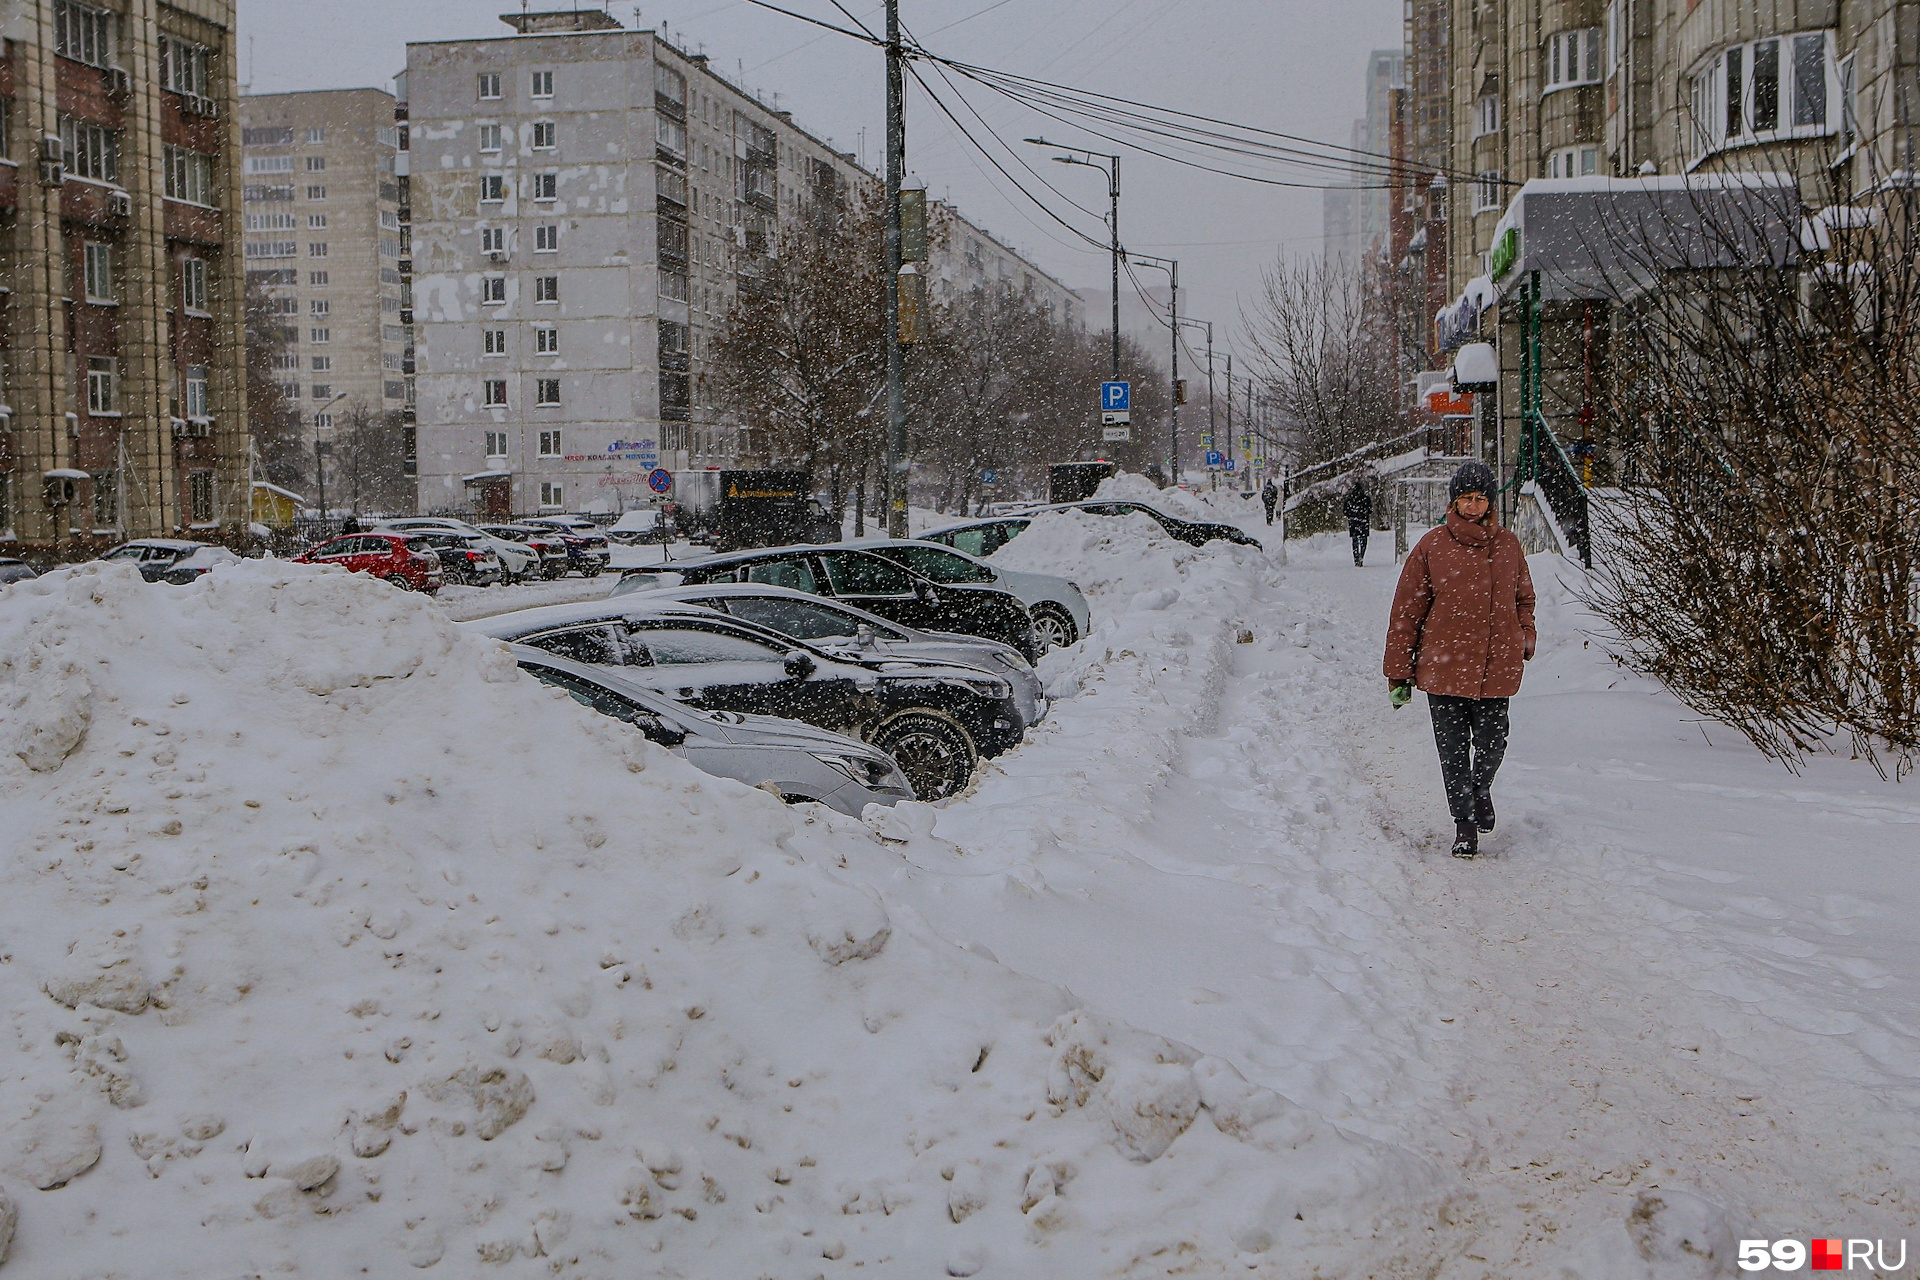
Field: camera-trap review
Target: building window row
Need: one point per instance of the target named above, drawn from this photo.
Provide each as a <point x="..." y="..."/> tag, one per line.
<point x="1780" y="87"/>
<point x="493" y="395"/>
<point x="1572" y="58"/>
<point x="1573" y="162"/>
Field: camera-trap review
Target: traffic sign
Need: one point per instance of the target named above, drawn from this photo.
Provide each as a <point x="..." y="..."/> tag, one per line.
<point x="1116" y="397"/>
<point x="989" y="477"/>
<point x="1117" y="435"/>
<point x="1230" y="464"/>
<point x="1214" y="457"/>
<point x="1206" y="442"/>
<point x="660" y="480"/>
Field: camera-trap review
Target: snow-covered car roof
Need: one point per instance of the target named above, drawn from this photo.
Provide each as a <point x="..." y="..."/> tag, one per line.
<point x="525" y="621"/>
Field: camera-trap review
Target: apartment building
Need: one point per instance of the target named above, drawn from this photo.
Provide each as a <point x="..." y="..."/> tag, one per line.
<point x="326" y="244"/>
<point x="122" y="399"/>
<point x="587" y="202"/>
<point x="970" y="257"/>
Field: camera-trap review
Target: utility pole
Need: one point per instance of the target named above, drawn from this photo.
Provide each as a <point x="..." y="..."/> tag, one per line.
<point x="896" y="357"/>
<point x="1112" y="170"/>
<point x="320" y="454"/>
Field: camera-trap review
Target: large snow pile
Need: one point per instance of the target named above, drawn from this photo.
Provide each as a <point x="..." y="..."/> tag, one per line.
<point x="1182" y="504"/>
<point x="330" y="944"/>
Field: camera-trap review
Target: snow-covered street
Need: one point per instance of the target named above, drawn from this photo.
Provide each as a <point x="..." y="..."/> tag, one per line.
<point x="330" y="945"/>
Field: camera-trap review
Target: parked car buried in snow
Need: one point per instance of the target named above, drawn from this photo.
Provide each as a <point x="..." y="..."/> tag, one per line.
<point x="516" y="561"/>
<point x="796" y="761"/>
<point x="153" y="556"/>
<point x="548" y="556"/>
<point x="464" y="558"/>
<point x="934" y="720"/>
<point x="587" y="549"/>
<point x="397" y="558"/>
<point x="1059" y="610"/>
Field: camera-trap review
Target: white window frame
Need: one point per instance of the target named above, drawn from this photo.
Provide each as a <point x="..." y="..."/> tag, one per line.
<point x="540" y="84"/>
<point x="1488" y="192"/>
<point x="545" y="135"/>
<point x="183" y="67"/>
<point x="546" y="340"/>
<point x="97" y="263"/>
<point x="546" y="289"/>
<point x="551" y="496"/>
<point x="493" y="239"/>
<point x="1581" y="161"/>
<point x="198" y="400"/>
<point x="90" y="151"/>
<point x="83" y="33"/>
<point x="1571" y="59"/>
<point x="1486" y="115"/>
<point x="189" y="176"/>
<point x="1718" y="98"/>
<point x="493" y="343"/>
<point x="320" y="335"/>
<point x="546" y="238"/>
<point x="546" y="394"/>
<point x="550" y="444"/>
<point x="487" y="86"/>
<point x="546" y="187"/>
<point x="493" y="188"/>
<point x="493" y="290"/>
<point x="193" y="286"/>
<point x="103" y="387"/>
<point x="490" y="138"/>
<point x="494" y="438"/>
<point x="493" y="393"/>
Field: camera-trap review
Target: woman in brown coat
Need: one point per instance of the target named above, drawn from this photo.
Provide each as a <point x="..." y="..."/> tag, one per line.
<point x="1462" y="625"/>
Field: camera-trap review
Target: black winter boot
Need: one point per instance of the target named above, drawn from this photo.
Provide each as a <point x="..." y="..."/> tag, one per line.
<point x="1466" y="840"/>
<point x="1483" y="810"/>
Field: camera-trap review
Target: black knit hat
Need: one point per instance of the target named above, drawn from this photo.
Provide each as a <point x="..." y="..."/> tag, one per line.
<point x="1472" y="477"/>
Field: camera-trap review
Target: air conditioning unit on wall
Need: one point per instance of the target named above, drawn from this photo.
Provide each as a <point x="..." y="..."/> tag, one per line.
<point x="119" y="82"/>
<point x="119" y="204"/>
<point x="199" y="106"/>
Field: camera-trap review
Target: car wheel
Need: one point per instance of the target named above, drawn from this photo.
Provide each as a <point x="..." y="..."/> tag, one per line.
<point x="591" y="571"/>
<point x="935" y="753"/>
<point x="1054" y="627"/>
<point x="399" y="583"/>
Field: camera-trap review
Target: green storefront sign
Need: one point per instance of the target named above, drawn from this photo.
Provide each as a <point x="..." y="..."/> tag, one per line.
<point x="1506" y="252"/>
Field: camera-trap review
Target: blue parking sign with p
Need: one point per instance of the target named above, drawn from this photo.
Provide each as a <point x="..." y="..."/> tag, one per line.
<point x="1116" y="397"/>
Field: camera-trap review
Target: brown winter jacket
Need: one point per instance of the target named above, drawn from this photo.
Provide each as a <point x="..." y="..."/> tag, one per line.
<point x="1462" y="620"/>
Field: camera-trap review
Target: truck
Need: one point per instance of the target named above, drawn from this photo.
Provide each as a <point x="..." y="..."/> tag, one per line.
<point x="1076" y="481"/>
<point x="737" y="510"/>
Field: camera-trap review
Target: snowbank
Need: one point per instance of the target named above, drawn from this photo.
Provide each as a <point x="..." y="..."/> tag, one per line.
<point x="328" y="941"/>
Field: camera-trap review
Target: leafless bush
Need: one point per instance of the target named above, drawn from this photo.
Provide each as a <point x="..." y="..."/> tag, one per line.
<point x="1762" y="563"/>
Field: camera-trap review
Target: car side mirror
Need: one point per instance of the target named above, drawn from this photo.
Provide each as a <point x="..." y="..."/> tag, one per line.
<point x="658" y="730"/>
<point x="923" y="591"/>
<point x="800" y="666"/>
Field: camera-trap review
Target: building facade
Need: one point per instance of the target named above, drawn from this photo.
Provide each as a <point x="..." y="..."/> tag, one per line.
<point x="325" y="245"/>
<point x="124" y="407"/>
<point x="587" y="202"/>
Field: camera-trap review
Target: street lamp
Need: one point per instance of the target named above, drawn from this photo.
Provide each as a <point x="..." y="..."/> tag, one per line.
<point x="1208" y="326"/>
<point x="1172" y="267"/>
<point x="1113" y="220"/>
<point x="319" y="453"/>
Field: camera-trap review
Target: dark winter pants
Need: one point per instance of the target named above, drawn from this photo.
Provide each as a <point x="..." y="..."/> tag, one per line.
<point x="1357" y="529"/>
<point x="1472" y="736"/>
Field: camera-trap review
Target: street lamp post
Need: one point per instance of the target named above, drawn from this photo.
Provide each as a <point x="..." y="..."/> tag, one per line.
<point x="896" y="358"/>
<point x="1113" y="220"/>
<point x="1172" y="267"/>
<point x="320" y="453"/>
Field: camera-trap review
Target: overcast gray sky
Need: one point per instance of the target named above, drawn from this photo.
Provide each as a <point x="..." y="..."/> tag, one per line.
<point x="1291" y="65"/>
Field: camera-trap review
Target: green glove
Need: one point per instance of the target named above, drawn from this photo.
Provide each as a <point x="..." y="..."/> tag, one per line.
<point x="1401" y="694"/>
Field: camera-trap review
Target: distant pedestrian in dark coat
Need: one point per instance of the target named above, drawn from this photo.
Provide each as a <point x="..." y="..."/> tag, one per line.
<point x="1270" y="497"/>
<point x="1462" y="626"/>
<point x="1359" y="512"/>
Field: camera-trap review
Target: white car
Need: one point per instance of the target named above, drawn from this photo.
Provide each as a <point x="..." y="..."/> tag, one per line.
<point x="518" y="561"/>
<point x="1059" y="610"/>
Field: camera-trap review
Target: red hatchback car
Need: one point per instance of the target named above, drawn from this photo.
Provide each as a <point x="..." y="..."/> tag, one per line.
<point x="406" y="562"/>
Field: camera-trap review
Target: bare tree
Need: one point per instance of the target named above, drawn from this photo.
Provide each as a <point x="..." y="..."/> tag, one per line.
<point x="273" y="421"/>
<point x="369" y="460"/>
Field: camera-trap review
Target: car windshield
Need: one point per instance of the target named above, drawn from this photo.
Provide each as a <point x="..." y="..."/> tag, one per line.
<point x="796" y="574"/>
<point x="419" y="546"/>
<point x="938" y="564"/>
<point x="125" y="553"/>
<point x="15" y="573"/>
<point x="801" y="619"/>
<point x="853" y="574"/>
<point x="673" y="647"/>
<point x="603" y="644"/>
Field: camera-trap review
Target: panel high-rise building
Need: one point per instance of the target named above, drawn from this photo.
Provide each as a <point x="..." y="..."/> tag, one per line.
<point x="122" y="398"/>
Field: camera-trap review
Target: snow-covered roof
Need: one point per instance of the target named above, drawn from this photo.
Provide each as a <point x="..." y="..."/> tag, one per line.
<point x="285" y="493"/>
<point x="478" y="476"/>
<point x="65" y="473"/>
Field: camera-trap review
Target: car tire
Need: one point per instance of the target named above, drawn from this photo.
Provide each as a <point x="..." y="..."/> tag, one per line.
<point x="933" y="750"/>
<point x="399" y="583"/>
<point x="592" y="571"/>
<point x="1054" y="627"/>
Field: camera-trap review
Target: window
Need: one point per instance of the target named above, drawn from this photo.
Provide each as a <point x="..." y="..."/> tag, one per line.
<point x="1849" y="101"/>
<point x="940" y="565"/>
<point x="390" y="219"/>
<point x="1782" y="86"/>
<point x="316" y="164"/>
<point x="549" y="444"/>
<point x="270" y="164"/>
<point x="543" y="135"/>
<point x="316" y="136"/>
<point x="101" y="392"/>
<point x="489" y="86"/>
<point x="542" y="84"/>
<point x="322" y="391"/>
<point x="319" y="419"/>
<point x="197" y="401"/>
<point x="316" y="222"/>
<point x="494" y="393"/>
<point x="489" y="137"/>
<point x="99" y="271"/>
<point x="106" y="499"/>
<point x="546" y="186"/>
<point x="266" y="137"/>
<point x="286" y="306"/>
<point x="89" y="150"/>
<point x="323" y="364"/>
<point x="1487" y="191"/>
<point x="200" y="497"/>
<point x="493" y="290"/>
<point x="316" y="193"/>
<point x="82" y="33"/>
<point x="319" y="306"/>
<point x="493" y="239"/>
<point x="673" y="284"/>
<point x="1616" y="38"/>
<point x="546" y="340"/>
<point x="496" y="444"/>
<point x="546" y="288"/>
<point x="672" y="136"/>
<point x="319" y="335"/>
<point x="546" y="238"/>
<point x="269" y="222"/>
<point x="550" y="494"/>
<point x="866" y="575"/>
<point x="682" y="646"/>
<point x="252" y="193"/>
<point x="193" y="285"/>
<point x="669" y="84"/>
<point x="1486" y="116"/>
<point x="1573" y="162"/>
<point x="547" y="393"/>
<point x="493" y="188"/>
<point x="281" y="362"/>
<point x="493" y="342"/>
<point x="318" y="249"/>
<point x="1573" y="58"/>
<point x="317" y="278"/>
<point x="183" y="68"/>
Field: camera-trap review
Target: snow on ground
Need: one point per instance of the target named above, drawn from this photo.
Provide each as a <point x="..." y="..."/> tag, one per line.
<point x="326" y="942"/>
